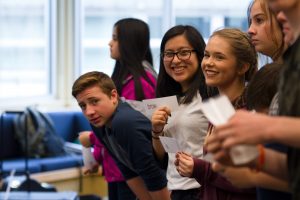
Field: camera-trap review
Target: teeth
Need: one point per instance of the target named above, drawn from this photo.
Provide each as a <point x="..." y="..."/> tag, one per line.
<point x="211" y="72"/>
<point x="178" y="69"/>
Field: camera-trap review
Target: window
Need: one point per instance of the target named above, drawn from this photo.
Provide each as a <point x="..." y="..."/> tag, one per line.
<point x="207" y="16"/>
<point x="98" y="18"/>
<point x="24" y="48"/>
<point x="240" y="22"/>
<point x="46" y="44"/>
<point x="202" y="24"/>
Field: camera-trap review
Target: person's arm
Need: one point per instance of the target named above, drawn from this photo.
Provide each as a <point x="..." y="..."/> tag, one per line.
<point x="203" y="173"/>
<point x="201" y="170"/>
<point x="285" y="130"/>
<point x="244" y="177"/>
<point x="138" y="187"/>
<point x="84" y="138"/>
<point x="159" y="120"/>
<point x="86" y="141"/>
<point x="140" y="153"/>
<point x="99" y="148"/>
<point x="270" y="182"/>
<point x="254" y="128"/>
<point x="133" y="132"/>
<point x="162" y="194"/>
<point x="158" y="148"/>
<point x="275" y="164"/>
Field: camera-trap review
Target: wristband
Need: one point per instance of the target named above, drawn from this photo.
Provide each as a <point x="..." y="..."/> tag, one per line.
<point x="155" y="137"/>
<point x="157" y="132"/>
<point x="261" y="158"/>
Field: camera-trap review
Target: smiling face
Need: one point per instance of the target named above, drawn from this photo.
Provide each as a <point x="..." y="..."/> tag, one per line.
<point x="97" y="106"/>
<point x="219" y="65"/>
<point x="182" y="71"/>
<point x="261" y="30"/>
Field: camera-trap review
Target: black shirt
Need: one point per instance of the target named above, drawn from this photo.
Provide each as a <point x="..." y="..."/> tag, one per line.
<point x="289" y="105"/>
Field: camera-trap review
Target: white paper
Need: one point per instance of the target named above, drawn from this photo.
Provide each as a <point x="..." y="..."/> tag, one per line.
<point x="152" y="104"/>
<point x="243" y="153"/>
<point x="88" y="158"/>
<point x="137" y="105"/>
<point x="170" y="144"/>
<point x="218" y="111"/>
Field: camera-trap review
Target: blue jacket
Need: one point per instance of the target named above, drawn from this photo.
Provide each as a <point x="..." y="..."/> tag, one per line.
<point x="129" y="142"/>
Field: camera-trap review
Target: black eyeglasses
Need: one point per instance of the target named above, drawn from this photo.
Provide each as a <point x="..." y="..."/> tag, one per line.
<point x="168" y="56"/>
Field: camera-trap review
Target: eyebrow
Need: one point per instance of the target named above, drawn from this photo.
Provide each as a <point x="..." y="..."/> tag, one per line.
<point x="219" y="53"/>
<point x="258" y="15"/>
<point x="81" y="103"/>
<point x="215" y="53"/>
<point x="179" y="49"/>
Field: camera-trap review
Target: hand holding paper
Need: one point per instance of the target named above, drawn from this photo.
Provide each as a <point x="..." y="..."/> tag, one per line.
<point x="152" y="104"/>
<point x="218" y="111"/>
<point x="148" y="106"/>
<point x="88" y="158"/>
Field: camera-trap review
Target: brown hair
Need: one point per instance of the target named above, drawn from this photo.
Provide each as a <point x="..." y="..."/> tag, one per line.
<point x="241" y="47"/>
<point x="276" y="33"/>
<point x="262" y="88"/>
<point x="91" y="79"/>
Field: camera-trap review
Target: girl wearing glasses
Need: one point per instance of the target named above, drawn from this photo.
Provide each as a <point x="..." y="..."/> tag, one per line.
<point x="229" y="62"/>
<point x="180" y="74"/>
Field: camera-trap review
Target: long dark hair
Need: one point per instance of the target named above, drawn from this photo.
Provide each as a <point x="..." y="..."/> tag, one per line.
<point x="166" y="85"/>
<point x="134" y="46"/>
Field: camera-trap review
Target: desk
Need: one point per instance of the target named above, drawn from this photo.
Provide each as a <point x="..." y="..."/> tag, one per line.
<point x="40" y="196"/>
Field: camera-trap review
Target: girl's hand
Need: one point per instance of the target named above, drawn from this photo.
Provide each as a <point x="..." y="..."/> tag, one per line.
<point x="93" y="170"/>
<point x="160" y="119"/>
<point x="184" y="164"/>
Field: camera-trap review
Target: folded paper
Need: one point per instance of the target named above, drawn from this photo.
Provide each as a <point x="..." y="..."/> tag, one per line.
<point x="218" y="111"/>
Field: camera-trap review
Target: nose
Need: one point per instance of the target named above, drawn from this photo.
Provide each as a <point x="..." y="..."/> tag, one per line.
<point x="89" y="111"/>
<point x="208" y="61"/>
<point x="109" y="44"/>
<point x="176" y="59"/>
<point x="251" y="30"/>
<point x="281" y="17"/>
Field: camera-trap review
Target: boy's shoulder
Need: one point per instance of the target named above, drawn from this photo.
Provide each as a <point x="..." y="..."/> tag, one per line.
<point x="125" y="108"/>
<point x="127" y="115"/>
<point x="127" y="120"/>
